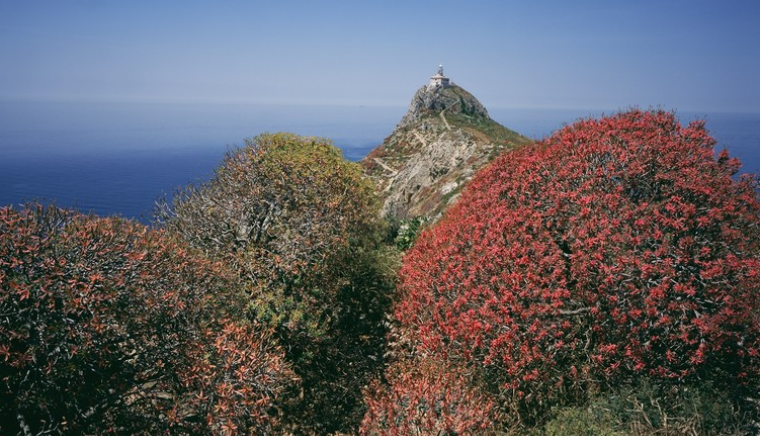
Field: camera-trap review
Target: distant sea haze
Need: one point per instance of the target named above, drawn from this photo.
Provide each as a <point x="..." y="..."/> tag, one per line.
<point x="118" y="158"/>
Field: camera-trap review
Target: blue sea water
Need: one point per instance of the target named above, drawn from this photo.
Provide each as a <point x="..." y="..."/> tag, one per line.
<point x="118" y="158"/>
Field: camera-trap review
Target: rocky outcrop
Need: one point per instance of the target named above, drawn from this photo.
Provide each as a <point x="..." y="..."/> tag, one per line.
<point x="434" y="100"/>
<point x="444" y="138"/>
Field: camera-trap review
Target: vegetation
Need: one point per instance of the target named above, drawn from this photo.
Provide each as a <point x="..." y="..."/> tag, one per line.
<point x="301" y="226"/>
<point x="615" y="254"/>
<point x="108" y="327"/>
<point x="603" y="281"/>
<point x="405" y="232"/>
<point x="493" y="131"/>
<point x="426" y="398"/>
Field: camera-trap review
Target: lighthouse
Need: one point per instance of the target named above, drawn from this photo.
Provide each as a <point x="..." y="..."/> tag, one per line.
<point x="439" y="80"/>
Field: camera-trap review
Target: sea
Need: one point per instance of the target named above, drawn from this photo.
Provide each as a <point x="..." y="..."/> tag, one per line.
<point x="119" y="158"/>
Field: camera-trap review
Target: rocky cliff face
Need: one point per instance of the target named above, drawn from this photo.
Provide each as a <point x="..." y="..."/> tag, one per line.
<point x="445" y="137"/>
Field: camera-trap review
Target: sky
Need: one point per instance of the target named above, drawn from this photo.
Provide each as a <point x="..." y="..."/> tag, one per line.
<point x="565" y="54"/>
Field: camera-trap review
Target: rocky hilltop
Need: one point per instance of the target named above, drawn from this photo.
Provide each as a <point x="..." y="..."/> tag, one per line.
<point x="444" y="138"/>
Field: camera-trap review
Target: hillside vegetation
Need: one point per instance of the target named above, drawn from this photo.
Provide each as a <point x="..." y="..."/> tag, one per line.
<point x="108" y="327"/>
<point x="605" y="278"/>
<point x="301" y="227"/>
<point x="602" y="281"/>
<point x="445" y="137"/>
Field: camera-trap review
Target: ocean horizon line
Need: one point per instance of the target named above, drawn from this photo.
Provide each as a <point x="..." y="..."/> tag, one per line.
<point x="360" y="104"/>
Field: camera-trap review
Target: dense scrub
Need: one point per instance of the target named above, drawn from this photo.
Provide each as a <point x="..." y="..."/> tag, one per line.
<point x="108" y="327"/>
<point x="603" y="281"/>
<point x="426" y="397"/>
<point x="301" y="226"/>
<point x="617" y="253"/>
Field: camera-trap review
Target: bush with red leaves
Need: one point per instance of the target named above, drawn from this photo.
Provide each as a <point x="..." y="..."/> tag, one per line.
<point x="426" y="398"/>
<point x="108" y="327"/>
<point x="616" y="249"/>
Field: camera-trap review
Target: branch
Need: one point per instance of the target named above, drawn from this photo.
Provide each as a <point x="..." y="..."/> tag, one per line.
<point x="24" y="426"/>
<point x="574" y="311"/>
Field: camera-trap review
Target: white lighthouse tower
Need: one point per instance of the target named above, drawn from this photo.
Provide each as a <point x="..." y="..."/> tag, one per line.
<point x="439" y="79"/>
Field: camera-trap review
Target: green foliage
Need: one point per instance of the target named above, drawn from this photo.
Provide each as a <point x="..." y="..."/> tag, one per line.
<point x="288" y="213"/>
<point x="109" y="327"/>
<point x="301" y="225"/>
<point x="580" y="421"/>
<point x="407" y="231"/>
<point x="651" y="408"/>
<point x="493" y="130"/>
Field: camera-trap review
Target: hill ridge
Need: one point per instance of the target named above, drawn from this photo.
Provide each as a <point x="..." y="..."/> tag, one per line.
<point x="445" y="136"/>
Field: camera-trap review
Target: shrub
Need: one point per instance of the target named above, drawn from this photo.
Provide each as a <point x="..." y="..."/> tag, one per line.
<point x="108" y="327"/>
<point x="407" y="231"/>
<point x="580" y="421"/>
<point x="615" y="249"/>
<point x="301" y="226"/>
<point x="651" y="408"/>
<point x="425" y="397"/>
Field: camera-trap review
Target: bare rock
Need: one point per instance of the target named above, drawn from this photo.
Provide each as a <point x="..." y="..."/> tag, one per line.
<point x="444" y="138"/>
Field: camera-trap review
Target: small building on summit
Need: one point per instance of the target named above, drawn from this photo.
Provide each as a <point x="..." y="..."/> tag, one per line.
<point x="439" y="79"/>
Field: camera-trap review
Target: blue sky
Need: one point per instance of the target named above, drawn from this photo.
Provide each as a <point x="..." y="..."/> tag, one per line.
<point x="594" y="54"/>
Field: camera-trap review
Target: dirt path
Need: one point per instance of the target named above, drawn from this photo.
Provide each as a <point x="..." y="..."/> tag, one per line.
<point x="386" y="167"/>
<point x="444" y="120"/>
<point x="421" y="138"/>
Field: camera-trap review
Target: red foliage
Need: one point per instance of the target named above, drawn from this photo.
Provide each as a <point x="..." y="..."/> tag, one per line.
<point x="425" y="398"/>
<point x="233" y="382"/>
<point x="618" y="247"/>
<point x="107" y="326"/>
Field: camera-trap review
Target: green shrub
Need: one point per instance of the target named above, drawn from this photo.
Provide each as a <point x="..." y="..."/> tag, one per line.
<point x="651" y="408"/>
<point x="579" y="421"/>
<point x="407" y="231"/>
<point x="301" y="225"/>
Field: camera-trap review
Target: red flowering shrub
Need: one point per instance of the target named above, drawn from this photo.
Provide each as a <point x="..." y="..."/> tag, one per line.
<point x="108" y="327"/>
<point x="426" y="398"/>
<point x="235" y="380"/>
<point x="617" y="248"/>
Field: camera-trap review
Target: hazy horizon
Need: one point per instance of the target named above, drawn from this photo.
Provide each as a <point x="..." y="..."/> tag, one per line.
<point x="118" y="158"/>
<point x="594" y="54"/>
